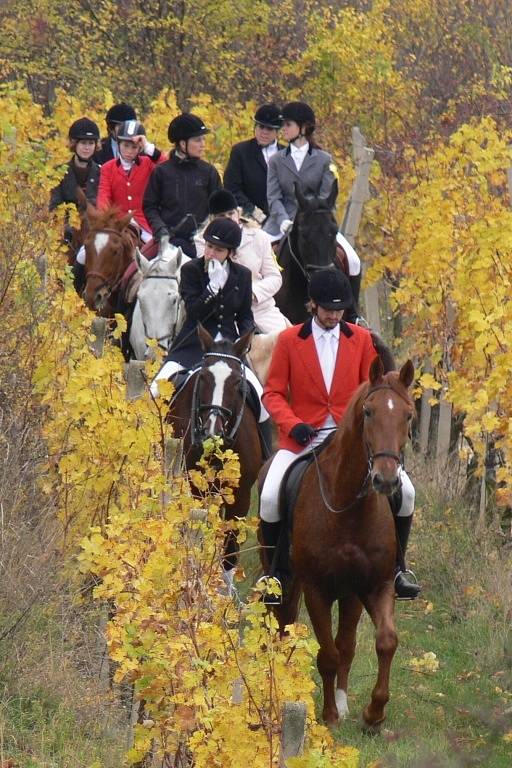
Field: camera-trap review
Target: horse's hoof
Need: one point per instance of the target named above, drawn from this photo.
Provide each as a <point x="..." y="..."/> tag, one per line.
<point x="331" y="719"/>
<point x="371" y="729"/>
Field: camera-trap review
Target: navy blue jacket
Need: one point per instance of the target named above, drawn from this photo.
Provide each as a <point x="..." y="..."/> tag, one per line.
<point x="229" y="312"/>
<point x="246" y="175"/>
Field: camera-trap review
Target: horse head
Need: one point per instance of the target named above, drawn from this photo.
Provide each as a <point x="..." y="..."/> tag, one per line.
<point x="388" y="411"/>
<point x="220" y="388"/>
<point x="109" y="249"/>
<point x="315" y="229"/>
<point x="161" y="307"/>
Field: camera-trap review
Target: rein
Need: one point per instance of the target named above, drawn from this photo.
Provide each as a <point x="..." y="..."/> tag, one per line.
<point x="363" y="491"/>
<point x="217" y="410"/>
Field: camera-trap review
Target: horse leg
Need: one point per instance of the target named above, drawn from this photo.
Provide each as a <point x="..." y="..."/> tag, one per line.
<point x="381" y="607"/>
<point x="327" y="660"/>
<point x="287" y="612"/>
<point x="349" y="613"/>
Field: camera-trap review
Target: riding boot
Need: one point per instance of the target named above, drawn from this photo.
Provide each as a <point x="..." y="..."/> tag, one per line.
<point x="351" y="314"/>
<point x="79" y="277"/>
<point x="404" y="588"/>
<point x="277" y="559"/>
<point x="265" y="433"/>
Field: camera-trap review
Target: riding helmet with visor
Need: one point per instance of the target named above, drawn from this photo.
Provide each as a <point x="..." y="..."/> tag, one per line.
<point x="129" y="130"/>
<point x="221" y="201"/>
<point x="84" y="129"/>
<point x="330" y="289"/>
<point x="118" y="113"/>
<point x="300" y="112"/>
<point x="223" y="232"/>
<point x="186" y="126"/>
<point x="269" y="116"/>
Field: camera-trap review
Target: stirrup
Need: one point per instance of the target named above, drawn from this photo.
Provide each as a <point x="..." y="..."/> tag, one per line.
<point x="271" y="590"/>
<point x="414" y="582"/>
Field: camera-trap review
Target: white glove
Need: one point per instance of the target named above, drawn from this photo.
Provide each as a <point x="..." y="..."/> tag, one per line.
<point x="286" y="225"/>
<point x="218" y="275"/>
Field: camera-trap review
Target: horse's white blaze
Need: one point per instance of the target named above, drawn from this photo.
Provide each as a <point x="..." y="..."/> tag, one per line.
<point x="341" y="702"/>
<point x="391" y="404"/>
<point x="100" y="241"/>
<point x="220" y="372"/>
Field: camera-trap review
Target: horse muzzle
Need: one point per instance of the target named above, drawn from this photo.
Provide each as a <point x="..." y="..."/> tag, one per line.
<point x="385" y="482"/>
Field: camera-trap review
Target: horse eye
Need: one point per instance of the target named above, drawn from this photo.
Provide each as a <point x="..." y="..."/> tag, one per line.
<point x="367" y="413"/>
<point x="409" y="417"/>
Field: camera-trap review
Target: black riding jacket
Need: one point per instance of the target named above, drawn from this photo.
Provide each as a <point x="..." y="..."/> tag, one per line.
<point x="175" y="188"/>
<point x="66" y="190"/>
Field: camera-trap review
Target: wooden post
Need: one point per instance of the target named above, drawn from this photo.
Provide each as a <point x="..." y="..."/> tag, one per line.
<point x="444" y="429"/>
<point x="135" y="379"/>
<point x="173" y="456"/>
<point x="293" y="730"/>
<point x="360" y="193"/>
<point x="99" y="331"/>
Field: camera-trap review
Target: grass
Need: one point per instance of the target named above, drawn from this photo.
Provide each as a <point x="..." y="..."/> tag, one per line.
<point x="458" y="714"/>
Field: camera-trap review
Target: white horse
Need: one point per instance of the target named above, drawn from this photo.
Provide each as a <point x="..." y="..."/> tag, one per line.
<point x="159" y="312"/>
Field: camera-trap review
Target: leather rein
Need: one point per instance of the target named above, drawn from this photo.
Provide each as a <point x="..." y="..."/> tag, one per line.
<point x="365" y="486"/>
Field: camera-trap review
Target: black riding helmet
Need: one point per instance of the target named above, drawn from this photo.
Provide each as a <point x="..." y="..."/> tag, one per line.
<point x="269" y="116"/>
<point x="186" y="126"/>
<point x="221" y="201"/>
<point x="84" y="129"/>
<point x="223" y="232"/>
<point x="330" y="289"/>
<point x="129" y="129"/>
<point x="118" y="113"/>
<point x="300" y="112"/>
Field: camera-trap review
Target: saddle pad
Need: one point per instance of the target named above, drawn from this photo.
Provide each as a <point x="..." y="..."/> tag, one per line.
<point x="253" y="401"/>
<point x="292" y="481"/>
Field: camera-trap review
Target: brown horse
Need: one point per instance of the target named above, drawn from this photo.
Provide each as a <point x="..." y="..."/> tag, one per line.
<point x="344" y="542"/>
<point x="214" y="403"/>
<point x="109" y="251"/>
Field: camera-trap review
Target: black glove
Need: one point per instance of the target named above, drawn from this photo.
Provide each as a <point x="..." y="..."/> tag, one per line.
<point x="303" y="433"/>
<point x="68" y="234"/>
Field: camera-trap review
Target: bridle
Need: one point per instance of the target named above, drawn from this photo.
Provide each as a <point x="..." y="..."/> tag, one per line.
<point x="107" y="282"/>
<point x="305" y="268"/>
<point x="166" y="336"/>
<point x="365" y="485"/>
<point x="225" y="414"/>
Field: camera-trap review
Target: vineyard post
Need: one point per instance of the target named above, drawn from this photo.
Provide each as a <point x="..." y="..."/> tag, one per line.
<point x="293" y="730"/>
<point x="135" y="379"/>
<point x="99" y="331"/>
<point x="360" y="193"/>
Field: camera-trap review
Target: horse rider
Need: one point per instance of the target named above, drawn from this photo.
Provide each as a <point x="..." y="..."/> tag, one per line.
<point x="254" y="252"/>
<point x="303" y="162"/>
<point x="116" y="115"/>
<point x="176" y="197"/>
<point x="246" y="172"/>
<point x="217" y="293"/>
<point x="123" y="180"/>
<point x="82" y="172"/>
<point x="316" y="367"/>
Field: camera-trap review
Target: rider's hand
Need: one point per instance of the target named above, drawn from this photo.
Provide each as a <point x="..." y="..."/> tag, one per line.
<point x="286" y="225"/>
<point x="303" y="433"/>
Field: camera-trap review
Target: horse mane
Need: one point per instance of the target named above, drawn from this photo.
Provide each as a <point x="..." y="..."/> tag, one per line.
<point x="107" y="218"/>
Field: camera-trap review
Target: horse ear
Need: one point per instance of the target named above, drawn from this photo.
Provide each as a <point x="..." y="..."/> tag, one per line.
<point x="330" y="200"/>
<point x="407" y="374"/>
<point x="81" y="201"/>
<point x="301" y="199"/>
<point x="243" y="345"/>
<point x="179" y="258"/>
<point x="123" y="222"/>
<point x="206" y="340"/>
<point x="376" y="371"/>
<point x="143" y="262"/>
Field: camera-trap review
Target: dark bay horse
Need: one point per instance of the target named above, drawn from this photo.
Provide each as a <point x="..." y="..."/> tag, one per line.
<point x="310" y="245"/>
<point x="344" y="542"/>
<point x="110" y="248"/>
<point x="214" y="403"/>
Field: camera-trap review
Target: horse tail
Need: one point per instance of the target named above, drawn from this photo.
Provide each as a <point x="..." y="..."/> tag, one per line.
<point x="385" y="353"/>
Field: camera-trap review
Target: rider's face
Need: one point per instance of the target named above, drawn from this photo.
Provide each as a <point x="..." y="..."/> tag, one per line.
<point x="212" y="251"/>
<point x="194" y="147"/>
<point x="128" y="149"/>
<point x="264" y="135"/>
<point x="290" y="130"/>
<point x="327" y="318"/>
<point x="85" y="148"/>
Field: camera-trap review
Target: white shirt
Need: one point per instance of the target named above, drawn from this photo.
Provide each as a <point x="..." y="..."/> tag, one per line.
<point x="299" y="154"/>
<point x="269" y="150"/>
<point x="326" y="343"/>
